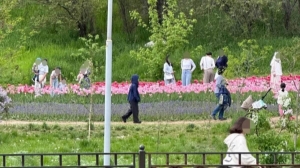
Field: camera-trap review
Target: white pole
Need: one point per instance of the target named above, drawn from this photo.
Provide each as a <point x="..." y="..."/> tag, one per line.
<point x="108" y="72"/>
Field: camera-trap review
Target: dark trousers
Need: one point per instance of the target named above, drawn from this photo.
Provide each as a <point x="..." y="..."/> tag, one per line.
<point x="134" y="109"/>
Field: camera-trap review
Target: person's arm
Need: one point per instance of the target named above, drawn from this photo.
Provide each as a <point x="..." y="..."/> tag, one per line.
<point x="246" y="159"/>
<point x="219" y="82"/>
<point x="193" y="64"/>
<point x="166" y="68"/>
<point x="213" y="63"/>
<point x="181" y="64"/>
<point x="201" y="63"/>
<point x="135" y="93"/>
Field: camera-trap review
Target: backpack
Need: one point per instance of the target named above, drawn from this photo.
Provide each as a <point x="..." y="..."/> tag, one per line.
<point x="221" y="62"/>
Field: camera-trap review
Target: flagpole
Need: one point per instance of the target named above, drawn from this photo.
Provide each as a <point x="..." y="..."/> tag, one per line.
<point x="108" y="78"/>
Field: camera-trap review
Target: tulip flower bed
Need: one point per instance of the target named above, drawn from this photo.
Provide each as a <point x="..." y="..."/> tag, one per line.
<point x="159" y="102"/>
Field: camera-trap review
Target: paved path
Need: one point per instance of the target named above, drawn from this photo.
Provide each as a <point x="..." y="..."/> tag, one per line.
<point x="16" y="122"/>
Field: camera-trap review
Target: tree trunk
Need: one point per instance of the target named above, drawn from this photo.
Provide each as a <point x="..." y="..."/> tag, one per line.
<point x="82" y="27"/>
<point x="160" y="9"/>
<point x="287" y="8"/>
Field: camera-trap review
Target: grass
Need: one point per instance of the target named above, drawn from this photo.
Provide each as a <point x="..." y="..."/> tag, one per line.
<point x="158" y="137"/>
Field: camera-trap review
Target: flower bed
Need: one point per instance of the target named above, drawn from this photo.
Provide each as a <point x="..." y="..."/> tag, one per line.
<point x="253" y="84"/>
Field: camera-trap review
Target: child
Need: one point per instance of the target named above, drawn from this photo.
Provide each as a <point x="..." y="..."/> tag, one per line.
<point x="35" y="69"/>
<point x="284" y="102"/>
<point x="62" y="85"/>
<point x="134" y="99"/>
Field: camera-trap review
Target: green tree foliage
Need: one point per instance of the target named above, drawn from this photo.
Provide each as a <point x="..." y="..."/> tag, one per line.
<point x="92" y="52"/>
<point x="78" y="15"/>
<point x="167" y="37"/>
<point x="246" y="62"/>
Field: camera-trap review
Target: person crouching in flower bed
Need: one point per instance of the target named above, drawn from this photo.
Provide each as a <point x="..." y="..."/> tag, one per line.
<point x="55" y="78"/>
<point x="221" y="91"/>
<point x="133" y="99"/>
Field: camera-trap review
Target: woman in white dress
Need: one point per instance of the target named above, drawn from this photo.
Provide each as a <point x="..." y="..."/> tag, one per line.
<point x="276" y="73"/>
<point x="168" y="72"/>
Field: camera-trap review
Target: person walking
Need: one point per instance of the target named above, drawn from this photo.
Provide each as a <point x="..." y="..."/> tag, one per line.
<point x="168" y="72"/>
<point x="276" y="73"/>
<point x="133" y="99"/>
<point x="187" y="66"/>
<point x="207" y="63"/>
<point x="221" y="89"/>
<point x="284" y="102"/>
<point x="236" y="142"/>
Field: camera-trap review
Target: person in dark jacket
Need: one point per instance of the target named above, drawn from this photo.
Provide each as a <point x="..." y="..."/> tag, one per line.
<point x="221" y="62"/>
<point x="133" y="99"/>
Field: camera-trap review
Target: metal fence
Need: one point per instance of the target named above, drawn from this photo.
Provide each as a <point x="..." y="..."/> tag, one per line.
<point x="142" y="159"/>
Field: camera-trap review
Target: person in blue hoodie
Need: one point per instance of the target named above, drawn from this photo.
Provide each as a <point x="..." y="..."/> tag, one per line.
<point x="133" y="99"/>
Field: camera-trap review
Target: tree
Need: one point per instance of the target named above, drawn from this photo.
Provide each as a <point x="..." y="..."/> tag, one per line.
<point x="245" y="63"/>
<point x="244" y="13"/>
<point x="167" y="37"/>
<point x="78" y="13"/>
<point x="291" y="55"/>
<point x="288" y="6"/>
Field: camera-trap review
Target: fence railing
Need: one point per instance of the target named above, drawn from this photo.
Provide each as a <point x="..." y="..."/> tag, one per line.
<point x="141" y="159"/>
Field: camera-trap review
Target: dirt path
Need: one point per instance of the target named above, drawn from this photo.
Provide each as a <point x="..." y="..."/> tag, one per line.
<point x="16" y="122"/>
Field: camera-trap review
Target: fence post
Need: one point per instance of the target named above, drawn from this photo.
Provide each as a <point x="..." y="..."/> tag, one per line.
<point x="142" y="157"/>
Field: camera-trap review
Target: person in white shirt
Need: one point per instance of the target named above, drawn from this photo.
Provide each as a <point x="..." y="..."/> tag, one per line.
<point x="43" y="71"/>
<point x="236" y="142"/>
<point x="55" y="77"/>
<point x="187" y="67"/>
<point x="207" y="64"/>
<point x="168" y="72"/>
<point x="284" y="102"/>
<point x="276" y="73"/>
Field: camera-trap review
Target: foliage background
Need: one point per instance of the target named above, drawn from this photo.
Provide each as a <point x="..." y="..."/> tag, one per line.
<point x="51" y="29"/>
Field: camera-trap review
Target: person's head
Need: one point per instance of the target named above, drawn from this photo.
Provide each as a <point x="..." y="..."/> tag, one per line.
<point x="221" y="71"/>
<point x="38" y="61"/>
<point x="241" y="126"/>
<point x="168" y="60"/>
<point x="45" y="62"/>
<point x="186" y="55"/>
<point x="57" y="70"/>
<point x="282" y="86"/>
<point x="135" y="79"/>
<point x="277" y="55"/>
<point x="209" y="54"/>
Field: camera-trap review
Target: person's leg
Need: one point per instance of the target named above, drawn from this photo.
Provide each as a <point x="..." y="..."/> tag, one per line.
<point x="188" y="77"/>
<point x="128" y="114"/>
<point x="205" y="77"/>
<point x="217" y="109"/>
<point x="211" y="75"/>
<point x="135" y="112"/>
<point x="221" y="113"/>
<point x="183" y="76"/>
<point x="280" y="110"/>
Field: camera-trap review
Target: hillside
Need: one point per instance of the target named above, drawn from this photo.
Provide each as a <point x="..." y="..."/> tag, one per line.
<point x="52" y="30"/>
